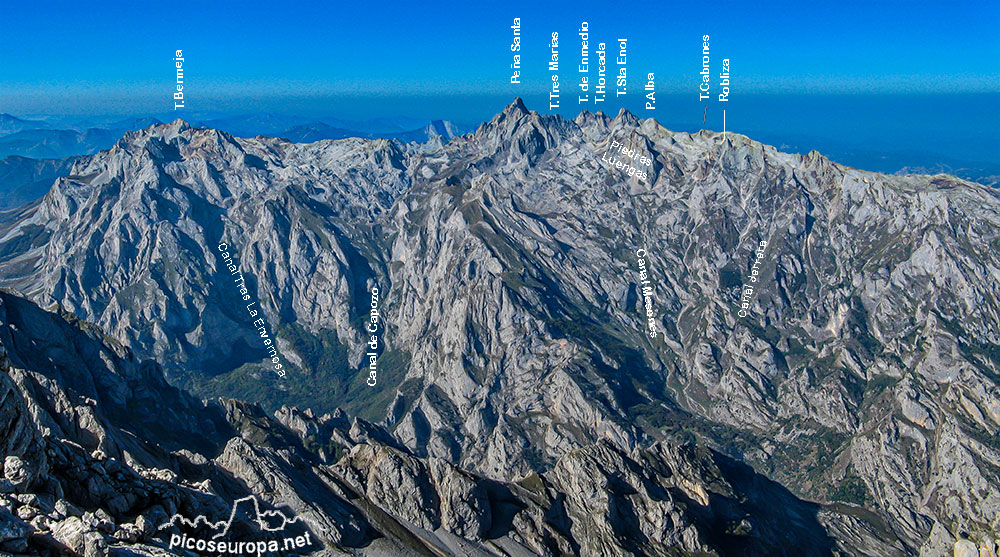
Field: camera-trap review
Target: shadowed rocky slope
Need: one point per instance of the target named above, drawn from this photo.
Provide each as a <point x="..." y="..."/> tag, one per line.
<point x="99" y="452"/>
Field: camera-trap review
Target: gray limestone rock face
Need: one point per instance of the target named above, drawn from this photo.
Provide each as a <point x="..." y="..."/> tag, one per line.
<point x="966" y="548"/>
<point x="393" y="480"/>
<point x="71" y="532"/>
<point x="21" y="446"/>
<point x="272" y="475"/>
<point x="465" y="505"/>
<point x="17" y="472"/>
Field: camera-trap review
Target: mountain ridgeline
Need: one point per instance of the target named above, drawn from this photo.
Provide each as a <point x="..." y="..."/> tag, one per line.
<point x="854" y="409"/>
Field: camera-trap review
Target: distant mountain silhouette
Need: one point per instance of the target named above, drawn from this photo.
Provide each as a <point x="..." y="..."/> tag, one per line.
<point x="12" y="124"/>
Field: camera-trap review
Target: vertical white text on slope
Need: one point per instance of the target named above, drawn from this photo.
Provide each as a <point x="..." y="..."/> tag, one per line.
<point x="258" y="322"/>
<point x="179" y="66"/>
<point x="646" y="289"/>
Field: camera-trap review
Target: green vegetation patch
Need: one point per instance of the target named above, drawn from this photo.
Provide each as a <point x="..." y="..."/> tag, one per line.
<point x="853" y="490"/>
<point x="324" y="382"/>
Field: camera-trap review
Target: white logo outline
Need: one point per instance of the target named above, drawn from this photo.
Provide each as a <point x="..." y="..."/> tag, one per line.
<point x="260" y="516"/>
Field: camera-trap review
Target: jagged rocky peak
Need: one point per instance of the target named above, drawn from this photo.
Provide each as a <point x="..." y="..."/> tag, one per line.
<point x="512" y="113"/>
<point x="516" y="106"/>
<point x="173" y="128"/>
<point x="624" y="117"/>
<point x="520" y="134"/>
<point x="153" y="161"/>
<point x="166" y="132"/>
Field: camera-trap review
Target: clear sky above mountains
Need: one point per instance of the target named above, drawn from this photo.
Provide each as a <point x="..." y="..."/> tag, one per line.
<point x="83" y="57"/>
<point x="362" y="60"/>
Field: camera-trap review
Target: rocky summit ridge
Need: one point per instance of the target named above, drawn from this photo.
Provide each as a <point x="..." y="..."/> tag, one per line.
<point x="515" y="364"/>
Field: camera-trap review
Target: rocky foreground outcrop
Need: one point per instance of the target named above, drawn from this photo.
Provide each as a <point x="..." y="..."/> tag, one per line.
<point x="82" y="476"/>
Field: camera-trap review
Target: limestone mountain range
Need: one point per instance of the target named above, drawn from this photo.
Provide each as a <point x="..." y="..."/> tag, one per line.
<point x="521" y="406"/>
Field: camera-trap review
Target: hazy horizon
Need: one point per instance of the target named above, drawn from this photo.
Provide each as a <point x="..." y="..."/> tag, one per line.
<point x="896" y="76"/>
<point x="960" y="127"/>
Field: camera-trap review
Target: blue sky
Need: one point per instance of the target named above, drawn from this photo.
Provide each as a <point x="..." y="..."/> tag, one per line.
<point x="66" y="57"/>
